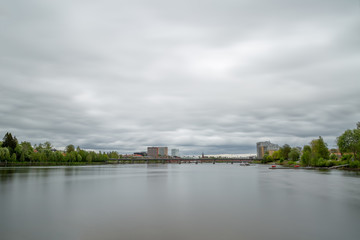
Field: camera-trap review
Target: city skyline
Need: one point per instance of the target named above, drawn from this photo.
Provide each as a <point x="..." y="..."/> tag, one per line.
<point x="205" y="76"/>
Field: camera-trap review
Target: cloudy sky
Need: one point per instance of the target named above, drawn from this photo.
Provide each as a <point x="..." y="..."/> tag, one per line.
<point x="199" y="75"/>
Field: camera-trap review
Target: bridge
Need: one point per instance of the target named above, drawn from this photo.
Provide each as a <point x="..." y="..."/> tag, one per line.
<point x="179" y="160"/>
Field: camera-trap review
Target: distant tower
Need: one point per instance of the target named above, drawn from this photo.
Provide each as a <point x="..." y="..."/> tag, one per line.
<point x="202" y="155"/>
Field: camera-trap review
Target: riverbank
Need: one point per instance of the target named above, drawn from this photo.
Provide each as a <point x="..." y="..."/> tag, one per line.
<point x="30" y="164"/>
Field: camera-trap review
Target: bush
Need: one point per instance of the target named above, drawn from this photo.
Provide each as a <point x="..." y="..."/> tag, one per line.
<point x="346" y="157"/>
<point x="354" y="164"/>
<point x="321" y="163"/>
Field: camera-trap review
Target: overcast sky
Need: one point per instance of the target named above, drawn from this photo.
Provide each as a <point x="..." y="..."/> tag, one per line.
<point x="213" y="76"/>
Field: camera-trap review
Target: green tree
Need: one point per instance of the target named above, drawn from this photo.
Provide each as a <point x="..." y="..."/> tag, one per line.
<point x="4" y="154"/>
<point x="10" y="142"/>
<point x="306" y="156"/>
<point x="284" y="151"/>
<point x="267" y="158"/>
<point x="47" y="145"/>
<point x="349" y="142"/>
<point x="13" y="157"/>
<point x="19" y="151"/>
<point x="333" y="156"/>
<point x="70" y="148"/>
<point x="276" y="155"/>
<point x="319" y="149"/>
<point x="27" y="150"/>
<point x="294" y="154"/>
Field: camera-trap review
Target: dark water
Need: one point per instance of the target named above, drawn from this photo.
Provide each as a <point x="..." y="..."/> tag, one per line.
<point x="172" y="201"/>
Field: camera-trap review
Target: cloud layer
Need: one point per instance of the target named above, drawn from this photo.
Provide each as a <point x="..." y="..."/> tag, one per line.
<point x="213" y="76"/>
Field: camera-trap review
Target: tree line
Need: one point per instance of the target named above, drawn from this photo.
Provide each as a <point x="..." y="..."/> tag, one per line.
<point x="317" y="154"/>
<point x="13" y="151"/>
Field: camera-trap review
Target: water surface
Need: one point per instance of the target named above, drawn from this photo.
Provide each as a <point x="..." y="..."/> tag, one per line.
<point x="172" y="201"/>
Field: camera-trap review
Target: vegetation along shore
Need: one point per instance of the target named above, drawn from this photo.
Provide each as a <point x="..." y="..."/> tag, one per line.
<point x="315" y="155"/>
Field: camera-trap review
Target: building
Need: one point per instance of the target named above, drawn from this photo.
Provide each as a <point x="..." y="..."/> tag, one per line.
<point x="175" y="153"/>
<point x="157" y="151"/>
<point x="263" y="147"/>
<point x="163" y="151"/>
<point x="141" y="154"/>
<point x="153" y="152"/>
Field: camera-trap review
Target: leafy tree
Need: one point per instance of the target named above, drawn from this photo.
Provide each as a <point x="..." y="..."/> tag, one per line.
<point x="19" y="151"/>
<point x="349" y="141"/>
<point x="319" y="149"/>
<point x="294" y="154"/>
<point x="284" y="151"/>
<point x="27" y="150"/>
<point x="276" y="155"/>
<point x="333" y="156"/>
<point x="47" y="145"/>
<point x="13" y="157"/>
<point x="70" y="148"/>
<point x="306" y="156"/>
<point x="267" y="158"/>
<point x="10" y="142"/>
<point x="4" y="154"/>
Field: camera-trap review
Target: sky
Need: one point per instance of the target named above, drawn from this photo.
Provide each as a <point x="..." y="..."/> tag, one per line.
<point x="201" y="76"/>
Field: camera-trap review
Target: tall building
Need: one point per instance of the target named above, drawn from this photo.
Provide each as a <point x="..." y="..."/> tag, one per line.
<point x="163" y="151"/>
<point x="175" y="153"/>
<point x="157" y="151"/>
<point x="267" y="146"/>
<point x="153" y="152"/>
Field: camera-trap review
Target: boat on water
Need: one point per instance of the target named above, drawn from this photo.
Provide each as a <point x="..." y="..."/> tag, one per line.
<point x="245" y="164"/>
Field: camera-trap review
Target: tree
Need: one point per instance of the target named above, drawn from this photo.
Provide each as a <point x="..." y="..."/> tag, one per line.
<point x="319" y="149"/>
<point x="294" y="154"/>
<point x="47" y="145"/>
<point x="306" y="156"/>
<point x="267" y="158"/>
<point x="284" y="151"/>
<point x="349" y="141"/>
<point x="4" y="154"/>
<point x="276" y="155"/>
<point x="10" y="142"/>
<point x="19" y="151"/>
<point x="27" y="150"/>
<point x="70" y="148"/>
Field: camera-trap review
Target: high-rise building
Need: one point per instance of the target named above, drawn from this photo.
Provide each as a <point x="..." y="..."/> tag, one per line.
<point x="267" y="146"/>
<point x="157" y="151"/>
<point x="163" y="151"/>
<point x="175" y="153"/>
<point x="153" y="152"/>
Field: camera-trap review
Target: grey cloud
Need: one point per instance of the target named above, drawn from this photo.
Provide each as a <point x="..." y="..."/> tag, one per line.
<point x="213" y="76"/>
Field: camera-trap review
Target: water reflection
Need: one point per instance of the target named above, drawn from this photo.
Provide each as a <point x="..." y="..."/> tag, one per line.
<point x="172" y="201"/>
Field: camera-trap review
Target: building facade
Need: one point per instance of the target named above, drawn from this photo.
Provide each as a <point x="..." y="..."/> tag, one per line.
<point x="175" y="153"/>
<point x="153" y="152"/>
<point x="157" y="152"/>
<point x="263" y="147"/>
<point x="163" y="151"/>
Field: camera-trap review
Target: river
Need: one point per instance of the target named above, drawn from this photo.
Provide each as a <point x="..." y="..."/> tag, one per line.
<point x="177" y="202"/>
